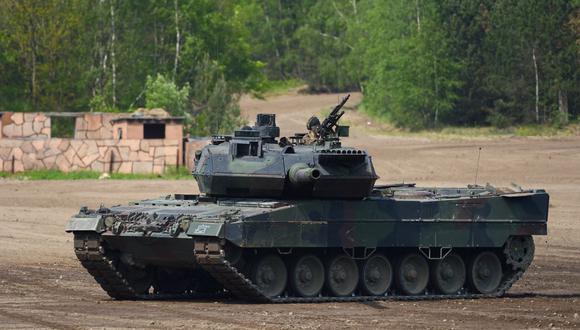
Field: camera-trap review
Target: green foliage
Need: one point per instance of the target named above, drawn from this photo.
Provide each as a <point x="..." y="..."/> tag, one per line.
<point x="412" y="75"/>
<point x="62" y="127"/>
<point x="216" y="109"/>
<point x="82" y="55"/>
<point x="325" y="44"/>
<point x="309" y="40"/>
<point x="161" y="92"/>
<point x="425" y="63"/>
<point x="99" y="104"/>
<point x="420" y="63"/>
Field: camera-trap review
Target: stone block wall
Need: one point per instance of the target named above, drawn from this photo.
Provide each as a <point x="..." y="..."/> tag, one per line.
<point x="122" y="156"/>
<point x="191" y="145"/>
<point x="25" y="125"/>
<point x="95" y="126"/>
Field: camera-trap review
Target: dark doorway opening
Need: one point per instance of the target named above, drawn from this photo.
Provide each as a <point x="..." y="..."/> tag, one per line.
<point x="154" y="131"/>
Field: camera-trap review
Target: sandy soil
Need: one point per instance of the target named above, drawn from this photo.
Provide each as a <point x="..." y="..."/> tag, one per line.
<point x="43" y="286"/>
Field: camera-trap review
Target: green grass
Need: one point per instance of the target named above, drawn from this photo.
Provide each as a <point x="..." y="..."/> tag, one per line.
<point x="278" y="87"/>
<point x="171" y="173"/>
<point x="383" y="126"/>
<point x="517" y="131"/>
<point x="480" y="132"/>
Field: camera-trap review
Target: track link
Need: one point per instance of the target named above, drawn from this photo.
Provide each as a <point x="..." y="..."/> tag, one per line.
<point x="91" y="254"/>
<point x="103" y="268"/>
<point x="211" y="257"/>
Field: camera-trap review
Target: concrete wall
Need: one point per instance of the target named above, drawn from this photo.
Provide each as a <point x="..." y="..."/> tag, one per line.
<point x="123" y="156"/>
<point x="24" y="125"/>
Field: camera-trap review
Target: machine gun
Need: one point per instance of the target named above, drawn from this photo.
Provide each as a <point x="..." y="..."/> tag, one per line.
<point x="327" y="127"/>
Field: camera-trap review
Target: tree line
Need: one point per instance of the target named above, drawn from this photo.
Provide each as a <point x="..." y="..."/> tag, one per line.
<point x="419" y="63"/>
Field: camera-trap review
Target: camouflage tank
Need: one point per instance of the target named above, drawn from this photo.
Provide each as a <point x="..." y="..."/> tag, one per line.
<point x="300" y="219"/>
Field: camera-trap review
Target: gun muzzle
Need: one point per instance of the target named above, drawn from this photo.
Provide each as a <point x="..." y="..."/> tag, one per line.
<point x="301" y="174"/>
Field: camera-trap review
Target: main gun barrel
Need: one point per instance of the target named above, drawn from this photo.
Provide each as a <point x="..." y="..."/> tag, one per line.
<point x="301" y="174"/>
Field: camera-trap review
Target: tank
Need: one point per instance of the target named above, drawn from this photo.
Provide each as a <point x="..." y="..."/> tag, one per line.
<point x="300" y="220"/>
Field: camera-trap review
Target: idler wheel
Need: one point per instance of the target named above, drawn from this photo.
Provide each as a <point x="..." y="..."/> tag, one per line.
<point x="412" y="274"/>
<point x="519" y="251"/>
<point x="307" y="276"/>
<point x="448" y="274"/>
<point x="269" y="274"/>
<point x="484" y="272"/>
<point x="376" y="275"/>
<point x="342" y="275"/>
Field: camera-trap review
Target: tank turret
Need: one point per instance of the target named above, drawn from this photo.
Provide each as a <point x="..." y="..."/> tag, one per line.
<point x="254" y="163"/>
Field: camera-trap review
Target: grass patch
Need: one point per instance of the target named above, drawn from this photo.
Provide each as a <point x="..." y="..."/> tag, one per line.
<point x="278" y="87"/>
<point x="171" y="173"/>
<point x="382" y="126"/>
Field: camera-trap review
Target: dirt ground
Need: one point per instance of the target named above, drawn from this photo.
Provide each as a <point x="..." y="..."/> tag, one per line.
<point x="43" y="286"/>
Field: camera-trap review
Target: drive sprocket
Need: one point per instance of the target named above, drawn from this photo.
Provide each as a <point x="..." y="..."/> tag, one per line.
<point x="519" y="251"/>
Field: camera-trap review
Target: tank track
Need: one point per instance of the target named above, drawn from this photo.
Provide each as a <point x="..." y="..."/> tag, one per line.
<point x="91" y="254"/>
<point x="211" y="257"/>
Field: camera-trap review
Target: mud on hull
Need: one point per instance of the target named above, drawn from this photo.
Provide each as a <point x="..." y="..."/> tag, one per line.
<point x="399" y="244"/>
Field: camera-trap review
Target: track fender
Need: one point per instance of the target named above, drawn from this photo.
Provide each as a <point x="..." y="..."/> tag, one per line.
<point x="85" y="224"/>
<point x="206" y="228"/>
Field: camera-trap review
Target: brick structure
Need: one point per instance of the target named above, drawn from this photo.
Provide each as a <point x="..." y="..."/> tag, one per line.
<point x="191" y="146"/>
<point x="124" y="156"/>
<point x="26" y="143"/>
<point x="95" y="126"/>
<point x="15" y="125"/>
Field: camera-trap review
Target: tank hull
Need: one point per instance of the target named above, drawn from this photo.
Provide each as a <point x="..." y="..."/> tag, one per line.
<point x="228" y="239"/>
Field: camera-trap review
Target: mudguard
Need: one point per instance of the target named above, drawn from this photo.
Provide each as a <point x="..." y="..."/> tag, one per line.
<point x="85" y="224"/>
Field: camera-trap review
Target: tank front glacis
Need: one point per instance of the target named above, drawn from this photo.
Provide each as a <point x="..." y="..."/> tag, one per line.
<point x="301" y="220"/>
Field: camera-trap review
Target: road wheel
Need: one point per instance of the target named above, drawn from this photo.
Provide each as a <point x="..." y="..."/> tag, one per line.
<point x="269" y="275"/>
<point x="484" y="272"/>
<point x="376" y="275"/>
<point x="307" y="276"/>
<point x="448" y="274"/>
<point x="412" y="274"/>
<point x="341" y="275"/>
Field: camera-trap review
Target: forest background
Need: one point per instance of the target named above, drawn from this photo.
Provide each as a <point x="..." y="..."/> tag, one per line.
<point x="419" y="63"/>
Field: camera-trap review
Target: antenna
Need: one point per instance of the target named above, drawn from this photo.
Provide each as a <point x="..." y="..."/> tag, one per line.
<point x="477" y="167"/>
